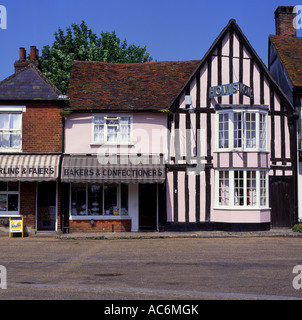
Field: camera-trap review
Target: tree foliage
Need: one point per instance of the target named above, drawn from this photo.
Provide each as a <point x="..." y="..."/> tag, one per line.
<point x="80" y="43"/>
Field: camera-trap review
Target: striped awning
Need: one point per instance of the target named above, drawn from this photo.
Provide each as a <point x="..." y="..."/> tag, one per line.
<point x="29" y="167"/>
<point x="113" y="169"/>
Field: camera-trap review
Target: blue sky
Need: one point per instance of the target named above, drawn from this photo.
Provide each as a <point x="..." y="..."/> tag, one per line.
<point x="172" y="30"/>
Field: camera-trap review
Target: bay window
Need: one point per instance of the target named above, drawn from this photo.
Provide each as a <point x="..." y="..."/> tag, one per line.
<point x="112" y="129"/>
<point x="241" y="129"/>
<point x="241" y="188"/>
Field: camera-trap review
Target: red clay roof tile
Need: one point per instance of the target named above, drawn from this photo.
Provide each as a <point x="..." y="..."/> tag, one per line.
<point x="147" y="86"/>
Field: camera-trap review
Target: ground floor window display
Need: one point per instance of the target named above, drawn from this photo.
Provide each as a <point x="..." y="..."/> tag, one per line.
<point x="99" y="199"/>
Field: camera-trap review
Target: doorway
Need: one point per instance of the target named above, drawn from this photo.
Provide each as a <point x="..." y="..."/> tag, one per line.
<point x="282" y="202"/>
<point x="46" y="206"/>
<point x="148" y="207"/>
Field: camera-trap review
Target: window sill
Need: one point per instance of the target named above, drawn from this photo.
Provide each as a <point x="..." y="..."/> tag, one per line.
<point x="111" y="144"/>
<point x="241" y="150"/>
<point x="2" y="150"/>
<point x="241" y="208"/>
<point x="109" y="217"/>
<point x="12" y="215"/>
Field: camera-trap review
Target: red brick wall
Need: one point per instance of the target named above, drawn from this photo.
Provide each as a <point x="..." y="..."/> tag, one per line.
<point x="100" y="226"/>
<point x="42" y="128"/>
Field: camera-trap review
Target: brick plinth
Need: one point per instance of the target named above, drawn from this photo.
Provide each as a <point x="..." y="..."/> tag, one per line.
<point x="100" y="226"/>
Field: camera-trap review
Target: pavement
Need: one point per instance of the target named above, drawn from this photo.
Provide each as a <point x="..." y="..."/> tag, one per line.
<point x="160" y="235"/>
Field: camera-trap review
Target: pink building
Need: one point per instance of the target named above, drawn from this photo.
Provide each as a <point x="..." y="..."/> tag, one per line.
<point x="113" y="170"/>
<point x="186" y="145"/>
<point x="233" y="162"/>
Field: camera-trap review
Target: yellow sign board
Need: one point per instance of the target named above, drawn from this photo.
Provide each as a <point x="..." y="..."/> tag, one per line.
<point x="15" y="226"/>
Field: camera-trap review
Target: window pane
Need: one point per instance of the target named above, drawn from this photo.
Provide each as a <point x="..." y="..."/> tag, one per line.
<point x="13" y="202"/>
<point x="224" y="188"/>
<point x="110" y="198"/>
<point x="15" y="121"/>
<point x="99" y="131"/>
<point x="250" y="131"/>
<point x="263" y="196"/>
<point x="251" y="188"/>
<point x="78" y="200"/>
<point x="3" y="186"/>
<point x="124" y="199"/>
<point x="13" y="186"/>
<point x="4" y="139"/>
<point x="112" y="133"/>
<point x="95" y="200"/>
<point x="4" y="121"/>
<point x="3" y="203"/>
<point x="237" y="130"/>
<point x="238" y="188"/>
<point x="262" y="133"/>
<point x="15" y="140"/>
<point x="223" y="130"/>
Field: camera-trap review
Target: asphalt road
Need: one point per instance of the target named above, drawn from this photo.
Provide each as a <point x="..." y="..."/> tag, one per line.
<point x="150" y="269"/>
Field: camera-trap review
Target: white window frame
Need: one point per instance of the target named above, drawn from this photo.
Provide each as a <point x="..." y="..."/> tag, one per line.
<point x="7" y="214"/>
<point x="113" y="117"/>
<point x="231" y="190"/>
<point x="231" y="137"/>
<point x="20" y="130"/>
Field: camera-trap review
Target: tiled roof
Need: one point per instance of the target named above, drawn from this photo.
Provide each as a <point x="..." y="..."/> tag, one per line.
<point x="289" y="50"/>
<point x="147" y="86"/>
<point x="28" y="84"/>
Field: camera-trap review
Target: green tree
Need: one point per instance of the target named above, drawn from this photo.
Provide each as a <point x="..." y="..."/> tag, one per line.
<point x="80" y="43"/>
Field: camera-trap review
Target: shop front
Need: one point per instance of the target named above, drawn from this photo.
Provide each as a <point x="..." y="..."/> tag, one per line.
<point x="116" y="193"/>
<point x="29" y="188"/>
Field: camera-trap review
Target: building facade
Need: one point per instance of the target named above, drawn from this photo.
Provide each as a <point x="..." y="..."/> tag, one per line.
<point x="113" y="170"/>
<point x="232" y="147"/>
<point x="30" y="147"/>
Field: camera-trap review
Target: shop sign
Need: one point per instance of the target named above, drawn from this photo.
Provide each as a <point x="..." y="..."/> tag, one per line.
<point x="15" y="226"/>
<point x="28" y="172"/>
<point x="230" y="89"/>
<point x="113" y="173"/>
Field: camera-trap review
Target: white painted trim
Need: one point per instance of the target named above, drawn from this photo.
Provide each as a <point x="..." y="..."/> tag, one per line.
<point x="12" y="109"/>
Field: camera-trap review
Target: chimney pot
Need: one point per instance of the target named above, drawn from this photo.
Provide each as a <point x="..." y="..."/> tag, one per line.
<point x="284" y="16"/>
<point x="22" y="54"/>
<point x="33" y="53"/>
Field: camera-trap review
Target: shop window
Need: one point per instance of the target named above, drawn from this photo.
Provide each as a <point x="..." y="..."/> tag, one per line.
<point x="242" y="130"/>
<point x="99" y="199"/>
<point x="112" y="129"/>
<point x="10" y="131"/>
<point x="9" y="198"/>
<point x="242" y="188"/>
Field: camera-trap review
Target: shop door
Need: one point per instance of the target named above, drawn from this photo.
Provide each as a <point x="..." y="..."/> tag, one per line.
<point x="282" y="202"/>
<point x="46" y="206"/>
<point x="148" y="206"/>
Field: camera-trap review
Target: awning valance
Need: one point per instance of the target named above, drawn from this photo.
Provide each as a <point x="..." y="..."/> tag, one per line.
<point x="29" y="167"/>
<point x="113" y="169"/>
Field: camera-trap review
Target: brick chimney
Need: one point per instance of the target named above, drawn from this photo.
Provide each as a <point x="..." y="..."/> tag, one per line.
<point x="23" y="62"/>
<point x="284" y="17"/>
